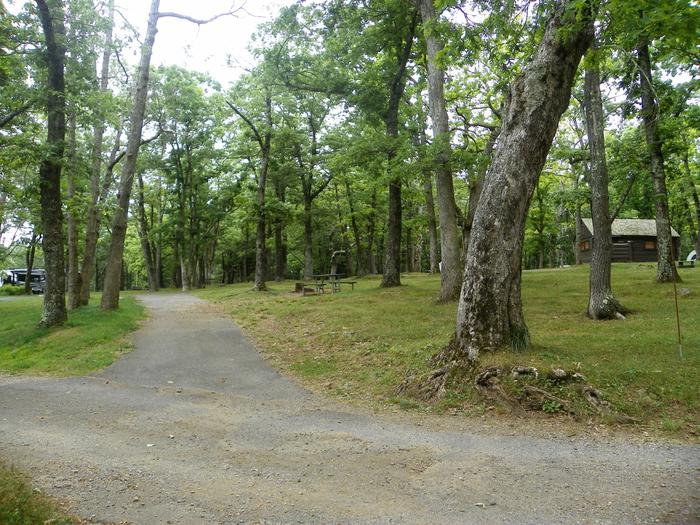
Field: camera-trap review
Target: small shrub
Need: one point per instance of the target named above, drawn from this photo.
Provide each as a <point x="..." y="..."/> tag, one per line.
<point x="11" y="289"/>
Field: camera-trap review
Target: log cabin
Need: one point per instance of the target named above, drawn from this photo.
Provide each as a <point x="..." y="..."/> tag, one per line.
<point x="634" y="240"/>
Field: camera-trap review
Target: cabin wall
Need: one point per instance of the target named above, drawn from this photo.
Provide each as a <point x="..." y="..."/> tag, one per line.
<point x="627" y="249"/>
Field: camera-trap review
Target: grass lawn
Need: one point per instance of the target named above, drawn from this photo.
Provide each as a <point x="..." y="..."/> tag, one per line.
<point x="360" y="345"/>
<point x="89" y="341"/>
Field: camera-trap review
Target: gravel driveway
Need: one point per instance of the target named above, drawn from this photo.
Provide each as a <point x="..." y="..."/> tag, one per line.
<point x="192" y="427"/>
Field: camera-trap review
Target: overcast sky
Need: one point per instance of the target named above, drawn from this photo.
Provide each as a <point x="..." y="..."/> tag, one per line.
<point x="206" y="48"/>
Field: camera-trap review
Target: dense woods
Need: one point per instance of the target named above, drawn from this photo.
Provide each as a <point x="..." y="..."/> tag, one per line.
<point x="393" y="135"/>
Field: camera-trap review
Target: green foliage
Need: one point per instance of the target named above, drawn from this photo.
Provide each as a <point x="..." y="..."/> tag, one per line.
<point x="10" y="289"/>
<point x="91" y="339"/>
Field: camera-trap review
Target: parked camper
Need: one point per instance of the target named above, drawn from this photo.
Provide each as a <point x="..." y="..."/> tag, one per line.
<point x="18" y="276"/>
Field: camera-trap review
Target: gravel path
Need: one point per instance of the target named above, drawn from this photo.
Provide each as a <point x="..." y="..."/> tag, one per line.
<point x="192" y="427"/>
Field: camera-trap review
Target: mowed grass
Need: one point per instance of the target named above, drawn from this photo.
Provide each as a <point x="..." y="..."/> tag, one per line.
<point x="361" y="344"/>
<point x="91" y="339"/>
<point x="20" y="505"/>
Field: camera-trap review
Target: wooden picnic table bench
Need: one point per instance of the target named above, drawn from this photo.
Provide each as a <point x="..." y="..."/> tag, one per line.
<point x="323" y="279"/>
<point x="686" y="264"/>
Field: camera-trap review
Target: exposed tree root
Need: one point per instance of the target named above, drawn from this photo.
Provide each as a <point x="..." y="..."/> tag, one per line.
<point x="432" y="386"/>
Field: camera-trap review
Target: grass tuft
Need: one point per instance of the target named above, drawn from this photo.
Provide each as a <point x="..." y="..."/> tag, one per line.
<point x="20" y="505"/>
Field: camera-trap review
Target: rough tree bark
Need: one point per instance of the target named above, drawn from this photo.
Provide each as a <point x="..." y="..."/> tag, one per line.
<point x="490" y="312"/>
<point x="52" y="22"/>
<point x="110" y="293"/>
<point x="392" y="261"/>
<point x="601" y="302"/>
<point x="665" y="269"/>
<point x="451" y="271"/>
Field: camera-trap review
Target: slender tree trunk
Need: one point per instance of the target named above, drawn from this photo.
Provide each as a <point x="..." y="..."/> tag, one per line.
<point x="392" y="260"/>
<point x="360" y="257"/>
<point x="432" y="223"/>
<point x="308" y="238"/>
<point x="371" y="234"/>
<point x="665" y="269"/>
<point x="54" y="311"/>
<point x="148" y="257"/>
<point x="696" y="202"/>
<point x="30" y="264"/>
<point x="74" y="280"/>
<point x="489" y="313"/>
<point x="578" y="226"/>
<point x="260" y="255"/>
<point x="451" y="273"/>
<point x="280" y="252"/>
<point x="280" y="243"/>
<point x="110" y="294"/>
<point x="601" y="303"/>
<point x="92" y="227"/>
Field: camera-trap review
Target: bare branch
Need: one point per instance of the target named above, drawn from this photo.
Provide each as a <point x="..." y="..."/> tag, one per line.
<point x="252" y="126"/>
<point x="197" y="21"/>
<point x="4" y="121"/>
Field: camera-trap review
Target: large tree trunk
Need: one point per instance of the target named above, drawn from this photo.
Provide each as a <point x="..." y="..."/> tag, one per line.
<point x="490" y="313"/>
<point x="665" y="269"/>
<point x="601" y="302"/>
<point x="392" y="258"/>
<point x="74" y="279"/>
<point x="451" y="272"/>
<point x="110" y="293"/>
<point x="54" y="311"/>
<point x="94" y="214"/>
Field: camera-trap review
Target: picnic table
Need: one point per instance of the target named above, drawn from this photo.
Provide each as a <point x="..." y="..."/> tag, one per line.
<point x="321" y="279"/>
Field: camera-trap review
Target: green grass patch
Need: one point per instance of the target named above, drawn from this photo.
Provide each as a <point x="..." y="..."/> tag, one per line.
<point x="20" y="505"/>
<point x="360" y="345"/>
<point x="91" y="339"/>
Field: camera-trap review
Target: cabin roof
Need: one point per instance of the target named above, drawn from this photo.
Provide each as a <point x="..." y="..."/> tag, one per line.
<point x="631" y="228"/>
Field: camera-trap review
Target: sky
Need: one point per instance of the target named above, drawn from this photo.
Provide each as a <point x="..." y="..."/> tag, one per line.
<point x="205" y="48"/>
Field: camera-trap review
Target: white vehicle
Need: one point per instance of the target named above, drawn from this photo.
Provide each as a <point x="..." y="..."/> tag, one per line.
<point x="692" y="256"/>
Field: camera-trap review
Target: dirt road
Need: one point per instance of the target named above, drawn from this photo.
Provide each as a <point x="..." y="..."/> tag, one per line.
<point x="192" y="427"/>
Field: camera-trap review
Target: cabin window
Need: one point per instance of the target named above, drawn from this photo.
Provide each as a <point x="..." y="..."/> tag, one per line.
<point x="650" y="245"/>
<point x="585" y="246"/>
